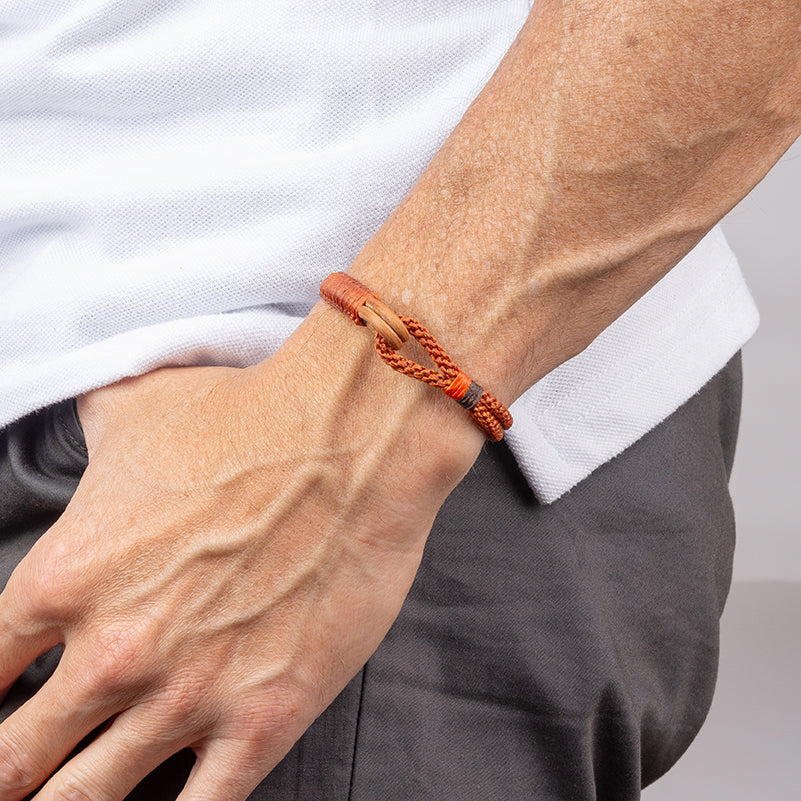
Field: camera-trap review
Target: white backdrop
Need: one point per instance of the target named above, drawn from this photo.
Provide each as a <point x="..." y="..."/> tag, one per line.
<point x="765" y="231"/>
<point x="750" y="745"/>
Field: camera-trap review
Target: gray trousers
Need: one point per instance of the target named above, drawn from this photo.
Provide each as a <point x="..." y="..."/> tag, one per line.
<point x="563" y="652"/>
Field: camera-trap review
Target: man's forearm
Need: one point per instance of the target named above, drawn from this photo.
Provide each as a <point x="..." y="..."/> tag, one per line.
<point x="612" y="137"/>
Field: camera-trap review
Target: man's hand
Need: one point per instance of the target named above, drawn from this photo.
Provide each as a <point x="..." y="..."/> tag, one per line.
<point x="239" y="545"/>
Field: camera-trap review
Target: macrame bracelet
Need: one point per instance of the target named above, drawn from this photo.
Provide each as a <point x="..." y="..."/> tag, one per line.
<point x="391" y="330"/>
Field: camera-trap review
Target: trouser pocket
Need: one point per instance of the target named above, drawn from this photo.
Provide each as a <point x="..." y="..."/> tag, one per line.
<point x="42" y="458"/>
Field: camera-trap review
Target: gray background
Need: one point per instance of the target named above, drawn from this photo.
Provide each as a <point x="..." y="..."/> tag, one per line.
<point x="750" y="748"/>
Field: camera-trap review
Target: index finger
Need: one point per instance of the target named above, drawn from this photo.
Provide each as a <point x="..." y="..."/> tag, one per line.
<point x="21" y="642"/>
<point x="42" y="733"/>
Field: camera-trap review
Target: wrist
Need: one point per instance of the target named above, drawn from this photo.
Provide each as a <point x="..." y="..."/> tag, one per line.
<point x="345" y="396"/>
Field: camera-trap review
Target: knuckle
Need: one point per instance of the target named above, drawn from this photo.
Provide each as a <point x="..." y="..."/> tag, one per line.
<point x="9" y="623"/>
<point x="182" y="703"/>
<point x="273" y="716"/>
<point x="74" y="788"/>
<point x="52" y="584"/>
<point x="119" y="657"/>
<point x="15" y="774"/>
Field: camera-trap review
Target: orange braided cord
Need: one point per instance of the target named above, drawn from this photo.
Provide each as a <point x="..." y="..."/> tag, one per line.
<point x="487" y="410"/>
<point x="346" y="294"/>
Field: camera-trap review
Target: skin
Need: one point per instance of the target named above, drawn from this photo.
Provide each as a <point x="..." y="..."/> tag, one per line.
<point x="242" y="539"/>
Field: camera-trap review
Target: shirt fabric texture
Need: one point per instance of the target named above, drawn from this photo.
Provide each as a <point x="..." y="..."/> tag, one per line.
<point x="177" y="178"/>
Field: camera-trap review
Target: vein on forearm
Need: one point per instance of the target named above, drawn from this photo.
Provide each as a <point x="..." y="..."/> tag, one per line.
<point x="610" y="139"/>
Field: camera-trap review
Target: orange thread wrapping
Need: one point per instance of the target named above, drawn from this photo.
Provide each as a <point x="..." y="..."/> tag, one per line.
<point x="347" y="295"/>
<point x="459" y="386"/>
